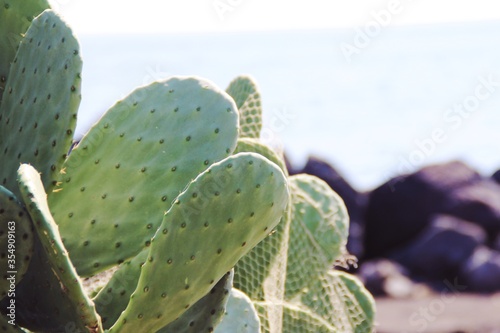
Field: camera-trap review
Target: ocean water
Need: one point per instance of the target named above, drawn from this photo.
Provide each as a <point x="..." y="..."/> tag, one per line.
<point x="409" y="96"/>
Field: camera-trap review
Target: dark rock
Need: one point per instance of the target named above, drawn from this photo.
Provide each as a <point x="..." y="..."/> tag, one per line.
<point x="386" y="278"/>
<point x="354" y="201"/>
<point x="438" y="252"/>
<point x="496" y="244"/>
<point x="496" y="176"/>
<point x="355" y="238"/>
<point x="332" y="177"/>
<point x="481" y="272"/>
<point x="401" y="208"/>
<point x="478" y="202"/>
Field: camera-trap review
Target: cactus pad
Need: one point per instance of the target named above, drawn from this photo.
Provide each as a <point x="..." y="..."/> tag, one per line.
<point x="240" y="316"/>
<point x="41" y="304"/>
<point x="261" y="273"/>
<point x="256" y="146"/>
<point x="299" y="320"/>
<point x="35" y="199"/>
<point x="207" y="312"/>
<point x="38" y="111"/>
<point x="318" y="233"/>
<point x="221" y="215"/>
<point x="247" y="97"/>
<point x="15" y="229"/>
<point x="341" y="300"/>
<point x="114" y="297"/>
<point x="136" y="160"/>
<point x="15" y="18"/>
<point x="335" y="302"/>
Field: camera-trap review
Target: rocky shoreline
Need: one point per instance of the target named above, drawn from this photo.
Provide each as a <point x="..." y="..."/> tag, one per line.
<point x="432" y="232"/>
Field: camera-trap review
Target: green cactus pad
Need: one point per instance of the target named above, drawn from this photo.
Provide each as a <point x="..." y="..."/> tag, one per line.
<point x="41" y="304"/>
<point x="341" y="300"/>
<point x="318" y="232"/>
<point x="256" y="146"/>
<point x="299" y="320"/>
<point x="261" y="273"/>
<point x="265" y="264"/>
<point x="265" y="261"/>
<point x="136" y="160"/>
<point x="38" y="111"/>
<point x="221" y="215"/>
<point x="240" y="315"/>
<point x="247" y="97"/>
<point x="114" y="297"/>
<point x="34" y="196"/>
<point x="15" y="18"/>
<point x="93" y="284"/>
<point x="15" y="229"/>
<point x="205" y="314"/>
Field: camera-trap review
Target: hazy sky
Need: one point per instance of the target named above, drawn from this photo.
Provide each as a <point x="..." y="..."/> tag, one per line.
<point x="169" y="16"/>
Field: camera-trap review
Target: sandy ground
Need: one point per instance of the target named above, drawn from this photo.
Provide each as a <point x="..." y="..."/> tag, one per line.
<point x="439" y="313"/>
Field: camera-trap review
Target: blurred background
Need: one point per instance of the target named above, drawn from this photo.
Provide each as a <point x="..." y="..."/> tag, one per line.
<point x="359" y="83"/>
<point x="375" y="88"/>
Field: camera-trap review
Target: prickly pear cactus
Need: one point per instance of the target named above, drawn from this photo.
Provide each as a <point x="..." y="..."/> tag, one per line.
<point x="114" y="297"/>
<point x="247" y="97"/>
<point x="16" y="241"/>
<point x="141" y="154"/>
<point x="15" y="18"/>
<point x="318" y="232"/>
<point x="256" y="146"/>
<point x="203" y="235"/>
<point x="167" y="193"/>
<point x="261" y="273"/>
<point x="240" y="316"/>
<point x="316" y="299"/>
<point x="42" y="305"/>
<point x="35" y="199"/>
<point x="207" y="313"/>
<point x="337" y="302"/>
<point x="42" y="95"/>
<point x="309" y="298"/>
<point x="340" y="300"/>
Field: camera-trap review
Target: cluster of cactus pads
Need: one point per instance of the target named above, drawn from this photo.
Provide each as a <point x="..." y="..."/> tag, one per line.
<point x="170" y="215"/>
